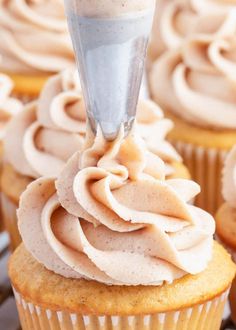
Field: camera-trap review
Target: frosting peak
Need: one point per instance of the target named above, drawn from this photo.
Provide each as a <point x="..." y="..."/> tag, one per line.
<point x="208" y="17"/>
<point x="111" y="210"/>
<point x="197" y="82"/>
<point x="229" y="178"/>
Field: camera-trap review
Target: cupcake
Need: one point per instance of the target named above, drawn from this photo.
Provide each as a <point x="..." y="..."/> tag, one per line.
<point x="114" y="244"/>
<point x="9" y="107"/>
<point x="35" y="43"/>
<point x="226" y="217"/>
<point x="212" y="17"/>
<point x="195" y="86"/>
<point x="48" y="132"/>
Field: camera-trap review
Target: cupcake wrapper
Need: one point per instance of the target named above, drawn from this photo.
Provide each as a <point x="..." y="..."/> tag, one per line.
<point x="10" y="220"/>
<point x="205" y="166"/>
<point x="206" y="316"/>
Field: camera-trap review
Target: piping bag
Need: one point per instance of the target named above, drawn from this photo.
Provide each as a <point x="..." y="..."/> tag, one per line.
<point x="110" y="40"/>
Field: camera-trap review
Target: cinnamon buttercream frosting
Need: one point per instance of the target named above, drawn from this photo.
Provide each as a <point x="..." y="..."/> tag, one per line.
<point x="49" y="131"/>
<point x="197" y="82"/>
<point x="41" y="138"/>
<point x="34" y="36"/>
<point x="112" y="217"/>
<point x="175" y="20"/>
<point x="229" y="178"/>
<point x="9" y="106"/>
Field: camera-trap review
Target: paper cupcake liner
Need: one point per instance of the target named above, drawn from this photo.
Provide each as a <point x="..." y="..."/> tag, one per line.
<point x="10" y="221"/>
<point x="205" y="166"/>
<point x="206" y="316"/>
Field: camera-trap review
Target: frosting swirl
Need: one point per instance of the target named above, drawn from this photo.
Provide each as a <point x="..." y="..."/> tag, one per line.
<point x="34" y="36"/>
<point x="41" y="138"/>
<point x="92" y="223"/>
<point x="215" y="18"/>
<point x="8" y="106"/>
<point x="229" y="178"/>
<point x="197" y="82"/>
<point x="48" y="132"/>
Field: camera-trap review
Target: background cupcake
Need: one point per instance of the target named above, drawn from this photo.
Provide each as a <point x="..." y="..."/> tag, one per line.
<point x="226" y="216"/>
<point x="195" y="86"/>
<point x="175" y="20"/>
<point x="9" y="107"/>
<point x="48" y="132"/>
<point x="35" y="43"/>
<point x="98" y="258"/>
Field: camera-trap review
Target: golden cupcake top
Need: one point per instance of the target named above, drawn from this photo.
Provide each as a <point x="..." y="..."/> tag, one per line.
<point x="34" y="37"/>
<point x="111" y="209"/>
<point x="30" y="278"/>
<point x="197" y="81"/>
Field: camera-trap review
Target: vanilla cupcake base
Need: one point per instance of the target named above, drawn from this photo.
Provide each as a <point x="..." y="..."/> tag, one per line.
<point x="10" y="221"/>
<point x="206" y="316"/>
<point x="205" y="166"/>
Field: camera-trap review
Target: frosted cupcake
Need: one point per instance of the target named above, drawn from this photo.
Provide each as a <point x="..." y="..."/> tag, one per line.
<point x="35" y="43"/>
<point x="9" y="107"/>
<point x="175" y="20"/>
<point x="113" y="244"/>
<point x="226" y="216"/>
<point x="195" y="86"/>
<point x="41" y="139"/>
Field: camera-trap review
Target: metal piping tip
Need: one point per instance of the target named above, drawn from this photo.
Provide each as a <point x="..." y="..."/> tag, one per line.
<point x="110" y="54"/>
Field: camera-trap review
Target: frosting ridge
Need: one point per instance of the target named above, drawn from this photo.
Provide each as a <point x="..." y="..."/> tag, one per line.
<point x="34" y="37"/>
<point x="212" y="18"/>
<point x="41" y="138"/>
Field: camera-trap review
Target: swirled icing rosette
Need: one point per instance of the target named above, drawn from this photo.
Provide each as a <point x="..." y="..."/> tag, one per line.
<point x="49" y="131"/>
<point x="112" y="217"/>
<point x="197" y="82"/>
<point x="229" y="178"/>
<point x="178" y="19"/>
<point x="34" y="36"/>
<point x="9" y="106"/>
